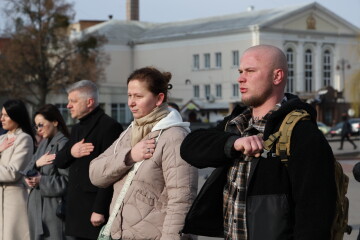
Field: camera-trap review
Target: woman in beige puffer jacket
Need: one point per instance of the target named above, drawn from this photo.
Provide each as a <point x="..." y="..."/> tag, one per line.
<point x="164" y="186"/>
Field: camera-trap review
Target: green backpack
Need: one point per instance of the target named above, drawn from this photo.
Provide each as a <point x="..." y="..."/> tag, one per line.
<point x="282" y="138"/>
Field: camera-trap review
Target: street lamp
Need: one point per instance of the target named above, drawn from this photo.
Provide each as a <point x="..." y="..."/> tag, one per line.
<point x="342" y="65"/>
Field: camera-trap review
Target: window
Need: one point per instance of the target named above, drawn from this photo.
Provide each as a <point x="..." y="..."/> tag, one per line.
<point x="290" y="79"/>
<point x="326" y="68"/>
<point x="308" y="70"/>
<point x="196" y="61"/>
<point x="235" y="90"/>
<point x="64" y="112"/>
<point x="207" y="91"/>
<point x="218" y="59"/>
<point x="120" y="112"/>
<point x="218" y="90"/>
<point x="235" y="58"/>
<point x="196" y="91"/>
<point x="207" y="60"/>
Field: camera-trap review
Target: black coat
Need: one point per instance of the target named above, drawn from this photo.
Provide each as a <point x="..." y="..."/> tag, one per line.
<point x="283" y="202"/>
<point x="346" y="128"/>
<point x="84" y="198"/>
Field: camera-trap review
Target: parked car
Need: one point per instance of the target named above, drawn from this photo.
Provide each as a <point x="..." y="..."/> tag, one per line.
<point x="336" y="130"/>
<point x="355" y="124"/>
<point x="325" y="129"/>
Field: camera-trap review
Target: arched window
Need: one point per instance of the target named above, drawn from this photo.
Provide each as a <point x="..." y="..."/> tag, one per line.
<point x="326" y="72"/>
<point x="308" y="70"/>
<point x="290" y="79"/>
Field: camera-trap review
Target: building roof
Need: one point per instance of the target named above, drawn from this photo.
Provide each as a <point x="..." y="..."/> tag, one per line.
<point x="136" y="32"/>
<point x="120" y="32"/>
<point x="214" y="25"/>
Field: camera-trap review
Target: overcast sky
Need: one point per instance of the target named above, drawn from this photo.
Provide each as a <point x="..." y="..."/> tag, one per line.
<point x="176" y="10"/>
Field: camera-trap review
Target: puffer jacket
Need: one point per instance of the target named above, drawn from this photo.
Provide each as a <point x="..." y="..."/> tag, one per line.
<point x="162" y="190"/>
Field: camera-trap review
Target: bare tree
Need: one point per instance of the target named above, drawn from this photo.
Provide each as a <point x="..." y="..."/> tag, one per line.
<point x="40" y="58"/>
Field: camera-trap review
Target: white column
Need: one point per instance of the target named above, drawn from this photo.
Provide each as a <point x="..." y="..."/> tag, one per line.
<point x="299" y="71"/>
<point x="317" y="68"/>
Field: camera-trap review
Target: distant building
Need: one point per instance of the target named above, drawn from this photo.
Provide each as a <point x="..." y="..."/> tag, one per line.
<point x="203" y="56"/>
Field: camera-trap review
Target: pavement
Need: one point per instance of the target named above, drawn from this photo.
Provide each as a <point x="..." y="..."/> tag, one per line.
<point x="347" y="157"/>
<point x="348" y="152"/>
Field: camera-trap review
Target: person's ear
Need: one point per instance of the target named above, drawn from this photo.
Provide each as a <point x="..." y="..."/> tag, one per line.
<point x="90" y="102"/>
<point x="278" y="76"/>
<point x="160" y="99"/>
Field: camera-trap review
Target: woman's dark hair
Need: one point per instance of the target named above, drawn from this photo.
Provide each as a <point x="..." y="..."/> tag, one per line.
<point x="157" y="81"/>
<point x="18" y="113"/>
<point x="52" y="113"/>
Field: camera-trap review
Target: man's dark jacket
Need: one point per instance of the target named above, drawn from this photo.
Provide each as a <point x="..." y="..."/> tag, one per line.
<point x="83" y="198"/>
<point x="346" y="128"/>
<point x="283" y="202"/>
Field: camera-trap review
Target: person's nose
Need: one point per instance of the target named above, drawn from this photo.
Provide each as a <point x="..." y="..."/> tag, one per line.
<point x="241" y="79"/>
<point x="131" y="102"/>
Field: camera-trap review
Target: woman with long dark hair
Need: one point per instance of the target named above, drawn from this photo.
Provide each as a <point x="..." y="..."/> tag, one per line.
<point x="16" y="150"/>
<point x="47" y="183"/>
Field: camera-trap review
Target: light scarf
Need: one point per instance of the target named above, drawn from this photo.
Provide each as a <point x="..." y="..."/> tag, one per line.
<point x="142" y="126"/>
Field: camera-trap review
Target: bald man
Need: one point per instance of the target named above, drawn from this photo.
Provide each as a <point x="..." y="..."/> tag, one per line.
<point x="254" y="196"/>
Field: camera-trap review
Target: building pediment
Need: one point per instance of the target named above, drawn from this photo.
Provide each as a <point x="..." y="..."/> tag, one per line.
<point x="312" y="18"/>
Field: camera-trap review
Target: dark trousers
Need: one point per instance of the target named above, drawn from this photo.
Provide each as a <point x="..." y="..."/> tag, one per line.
<point x="348" y="138"/>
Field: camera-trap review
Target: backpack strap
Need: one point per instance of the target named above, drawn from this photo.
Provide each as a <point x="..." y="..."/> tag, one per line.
<point x="282" y="137"/>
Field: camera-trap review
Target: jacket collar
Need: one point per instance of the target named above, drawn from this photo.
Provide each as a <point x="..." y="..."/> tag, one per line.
<point x="293" y="102"/>
<point x="173" y="119"/>
<point x="15" y="133"/>
<point x="93" y="114"/>
<point x="90" y="121"/>
<point x="46" y="146"/>
<point x="277" y="117"/>
<point x="59" y="135"/>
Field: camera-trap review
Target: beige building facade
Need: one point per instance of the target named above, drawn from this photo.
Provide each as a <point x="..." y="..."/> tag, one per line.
<point x="203" y="56"/>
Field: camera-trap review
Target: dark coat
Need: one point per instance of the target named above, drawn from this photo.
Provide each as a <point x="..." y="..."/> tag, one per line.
<point x="84" y="198"/>
<point x="283" y="202"/>
<point x="346" y="128"/>
<point x="43" y="200"/>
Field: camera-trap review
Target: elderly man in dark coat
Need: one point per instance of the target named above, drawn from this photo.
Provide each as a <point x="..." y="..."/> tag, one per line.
<point x="87" y="206"/>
